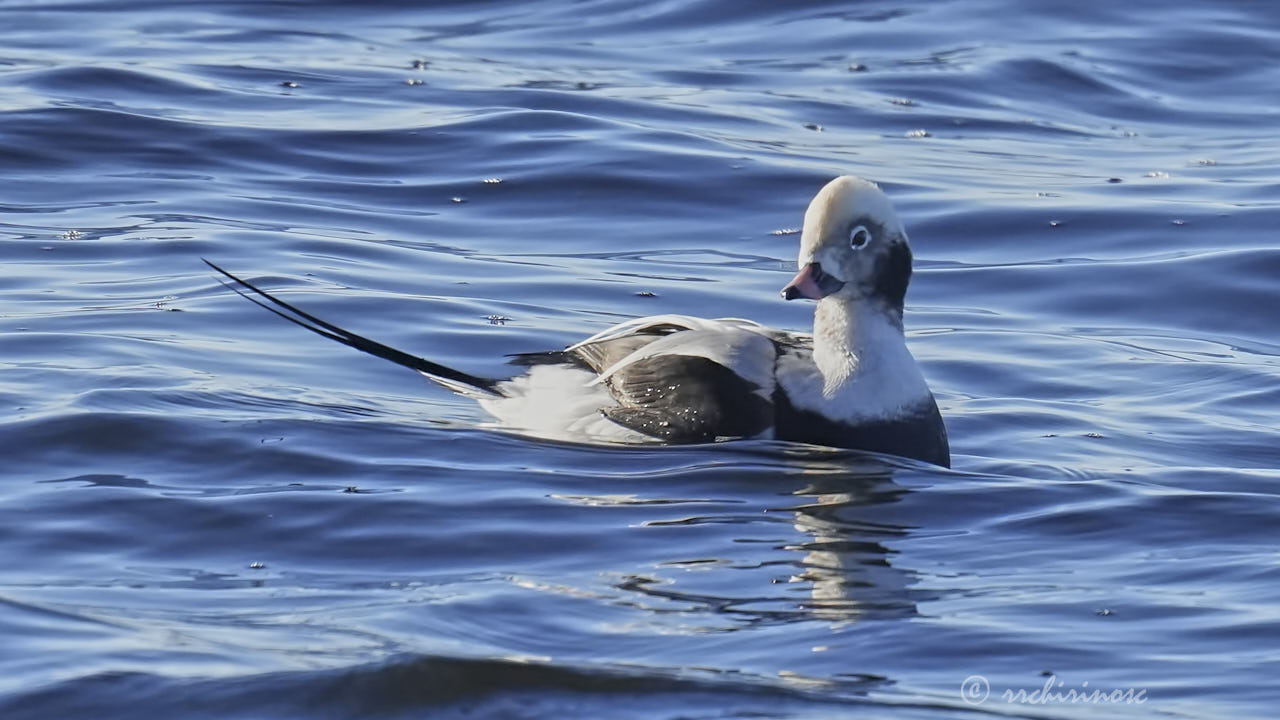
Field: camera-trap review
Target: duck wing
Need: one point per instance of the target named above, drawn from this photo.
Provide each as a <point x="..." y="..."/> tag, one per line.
<point x="686" y="399"/>
<point x="687" y="384"/>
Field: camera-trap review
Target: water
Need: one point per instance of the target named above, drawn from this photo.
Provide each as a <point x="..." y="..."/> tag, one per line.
<point x="209" y="513"/>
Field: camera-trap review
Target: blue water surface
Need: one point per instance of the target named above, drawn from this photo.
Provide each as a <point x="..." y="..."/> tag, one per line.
<point x="208" y="513"/>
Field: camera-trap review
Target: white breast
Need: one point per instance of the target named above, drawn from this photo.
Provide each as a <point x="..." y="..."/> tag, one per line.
<point x="859" y="371"/>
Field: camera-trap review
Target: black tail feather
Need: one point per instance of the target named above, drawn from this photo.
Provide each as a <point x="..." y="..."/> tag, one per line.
<point x="350" y="339"/>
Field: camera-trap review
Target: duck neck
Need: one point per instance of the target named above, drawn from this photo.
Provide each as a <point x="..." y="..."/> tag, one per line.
<point x="853" y="338"/>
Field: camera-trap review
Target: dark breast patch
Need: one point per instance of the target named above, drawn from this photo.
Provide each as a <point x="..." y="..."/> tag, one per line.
<point x="919" y="434"/>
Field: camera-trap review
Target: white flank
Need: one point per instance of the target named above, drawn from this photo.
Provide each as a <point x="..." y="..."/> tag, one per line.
<point x="558" y="402"/>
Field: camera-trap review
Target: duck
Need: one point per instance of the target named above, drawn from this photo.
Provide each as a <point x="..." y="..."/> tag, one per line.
<point x="678" y="379"/>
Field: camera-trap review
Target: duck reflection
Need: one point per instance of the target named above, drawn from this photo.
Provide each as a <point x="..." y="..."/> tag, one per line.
<point x="834" y="562"/>
<point x="845" y="560"/>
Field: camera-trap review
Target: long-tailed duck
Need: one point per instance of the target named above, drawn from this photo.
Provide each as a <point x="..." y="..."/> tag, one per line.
<point x="681" y="379"/>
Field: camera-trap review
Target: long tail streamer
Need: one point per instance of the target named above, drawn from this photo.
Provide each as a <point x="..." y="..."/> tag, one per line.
<point x="346" y="337"/>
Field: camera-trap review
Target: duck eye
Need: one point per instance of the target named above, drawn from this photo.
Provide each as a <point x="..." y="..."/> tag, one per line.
<point x="859" y="237"/>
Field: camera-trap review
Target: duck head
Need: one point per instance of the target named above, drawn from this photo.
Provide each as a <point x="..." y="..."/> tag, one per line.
<point x="853" y="247"/>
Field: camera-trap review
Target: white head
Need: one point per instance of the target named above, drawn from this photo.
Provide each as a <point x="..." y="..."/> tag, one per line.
<point x="853" y="247"/>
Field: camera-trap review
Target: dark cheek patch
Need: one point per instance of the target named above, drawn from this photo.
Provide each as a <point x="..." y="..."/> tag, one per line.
<point x="893" y="272"/>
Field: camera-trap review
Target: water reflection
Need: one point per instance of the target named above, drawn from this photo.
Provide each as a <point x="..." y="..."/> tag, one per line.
<point x="827" y="557"/>
<point x="845" y="559"/>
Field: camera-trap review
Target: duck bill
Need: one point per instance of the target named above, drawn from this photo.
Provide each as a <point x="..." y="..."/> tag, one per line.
<point x="811" y="282"/>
